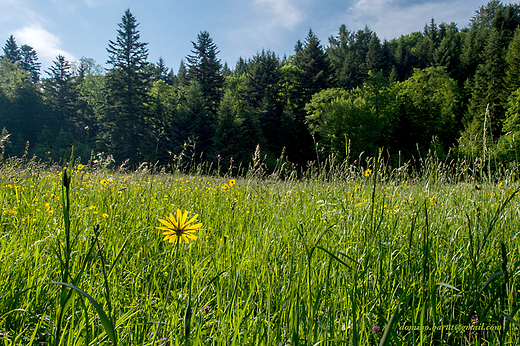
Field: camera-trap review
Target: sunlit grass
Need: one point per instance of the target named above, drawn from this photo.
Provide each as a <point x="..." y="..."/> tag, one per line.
<point x="279" y="262"/>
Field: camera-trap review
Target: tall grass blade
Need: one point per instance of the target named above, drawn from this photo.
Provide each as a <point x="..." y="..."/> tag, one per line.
<point x="105" y="321"/>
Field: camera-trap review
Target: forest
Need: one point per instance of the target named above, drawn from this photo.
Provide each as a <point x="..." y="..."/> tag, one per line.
<point x="446" y="89"/>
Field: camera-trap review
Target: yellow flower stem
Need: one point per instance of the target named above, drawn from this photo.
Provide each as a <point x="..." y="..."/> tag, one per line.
<point x="167" y="291"/>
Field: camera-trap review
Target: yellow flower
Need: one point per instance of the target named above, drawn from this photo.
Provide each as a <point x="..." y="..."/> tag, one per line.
<point x="368" y="172"/>
<point x="177" y="228"/>
<point x="232" y="182"/>
<point x="105" y="216"/>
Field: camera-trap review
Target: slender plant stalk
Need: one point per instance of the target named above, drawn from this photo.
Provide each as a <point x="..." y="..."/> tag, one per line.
<point x="167" y="292"/>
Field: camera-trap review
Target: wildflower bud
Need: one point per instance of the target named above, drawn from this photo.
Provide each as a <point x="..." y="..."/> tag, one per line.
<point x="376" y="330"/>
<point x="66" y="179"/>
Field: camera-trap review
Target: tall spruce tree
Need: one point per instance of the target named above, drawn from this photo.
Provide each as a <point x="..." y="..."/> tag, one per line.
<point x="310" y="72"/>
<point x="261" y="93"/>
<point x="11" y="50"/>
<point x="314" y="67"/>
<point x="374" y="56"/>
<point x="160" y="71"/>
<point x="205" y="68"/>
<point x="29" y="62"/>
<point x="60" y="93"/>
<point x="127" y="84"/>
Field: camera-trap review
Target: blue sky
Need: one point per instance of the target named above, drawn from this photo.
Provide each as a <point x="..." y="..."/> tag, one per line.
<point x="240" y="28"/>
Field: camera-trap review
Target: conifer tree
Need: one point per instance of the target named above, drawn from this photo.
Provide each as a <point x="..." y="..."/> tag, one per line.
<point x="309" y="72"/>
<point x="261" y="93"/>
<point x="512" y="78"/>
<point x="374" y="56"/>
<point x="160" y="71"/>
<point x="314" y="67"/>
<point x="11" y="50"/>
<point x="228" y="138"/>
<point x="205" y="68"/>
<point x="127" y="83"/>
<point x="182" y="74"/>
<point x="29" y="62"/>
<point x="192" y="123"/>
<point x="60" y="93"/>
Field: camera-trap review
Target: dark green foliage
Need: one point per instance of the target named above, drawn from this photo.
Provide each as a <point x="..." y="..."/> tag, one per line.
<point x="162" y="112"/>
<point x="127" y="52"/>
<point x="305" y="74"/>
<point x="11" y="50"/>
<point x="160" y="71"/>
<point x="374" y="60"/>
<point x="454" y="88"/>
<point x="237" y="132"/>
<point x="448" y="51"/>
<point x="29" y="62"/>
<point x="261" y="93"/>
<point x="345" y="121"/>
<point x="424" y="109"/>
<point x="485" y="58"/>
<point x="512" y="77"/>
<point x="508" y="146"/>
<point x="91" y="102"/>
<point x="313" y="66"/>
<point x="73" y="111"/>
<point x="126" y="126"/>
<point x="60" y="93"/>
<point x="21" y="107"/>
<point x="205" y="68"/>
<point x="241" y="66"/>
<point x="192" y="122"/>
<point x="182" y="75"/>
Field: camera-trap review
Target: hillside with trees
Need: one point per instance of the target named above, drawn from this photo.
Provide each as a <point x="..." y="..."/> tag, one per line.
<point x="446" y="89"/>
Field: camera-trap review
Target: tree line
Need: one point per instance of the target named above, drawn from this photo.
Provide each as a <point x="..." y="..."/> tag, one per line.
<point x="441" y="89"/>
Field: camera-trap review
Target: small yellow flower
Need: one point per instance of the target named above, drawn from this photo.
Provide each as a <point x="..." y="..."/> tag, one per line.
<point x="232" y="182"/>
<point x="368" y="172"/>
<point x="177" y="228"/>
<point x="105" y="216"/>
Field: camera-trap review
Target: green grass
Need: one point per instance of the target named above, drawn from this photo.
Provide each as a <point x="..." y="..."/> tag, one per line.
<point x="316" y="261"/>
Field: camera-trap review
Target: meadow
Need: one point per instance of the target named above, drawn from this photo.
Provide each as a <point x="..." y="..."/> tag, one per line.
<point x="352" y="255"/>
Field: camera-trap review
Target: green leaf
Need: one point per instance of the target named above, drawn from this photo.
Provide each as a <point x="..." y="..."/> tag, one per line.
<point x="105" y="321"/>
<point x="448" y="286"/>
<point x="511" y="319"/>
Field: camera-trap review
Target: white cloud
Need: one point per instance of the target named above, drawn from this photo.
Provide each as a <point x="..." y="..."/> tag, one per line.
<point x="65" y="6"/>
<point x="46" y="44"/>
<point x="16" y="11"/>
<point x="280" y="13"/>
<point x="95" y="3"/>
<point x="263" y="24"/>
<point x="393" y="18"/>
